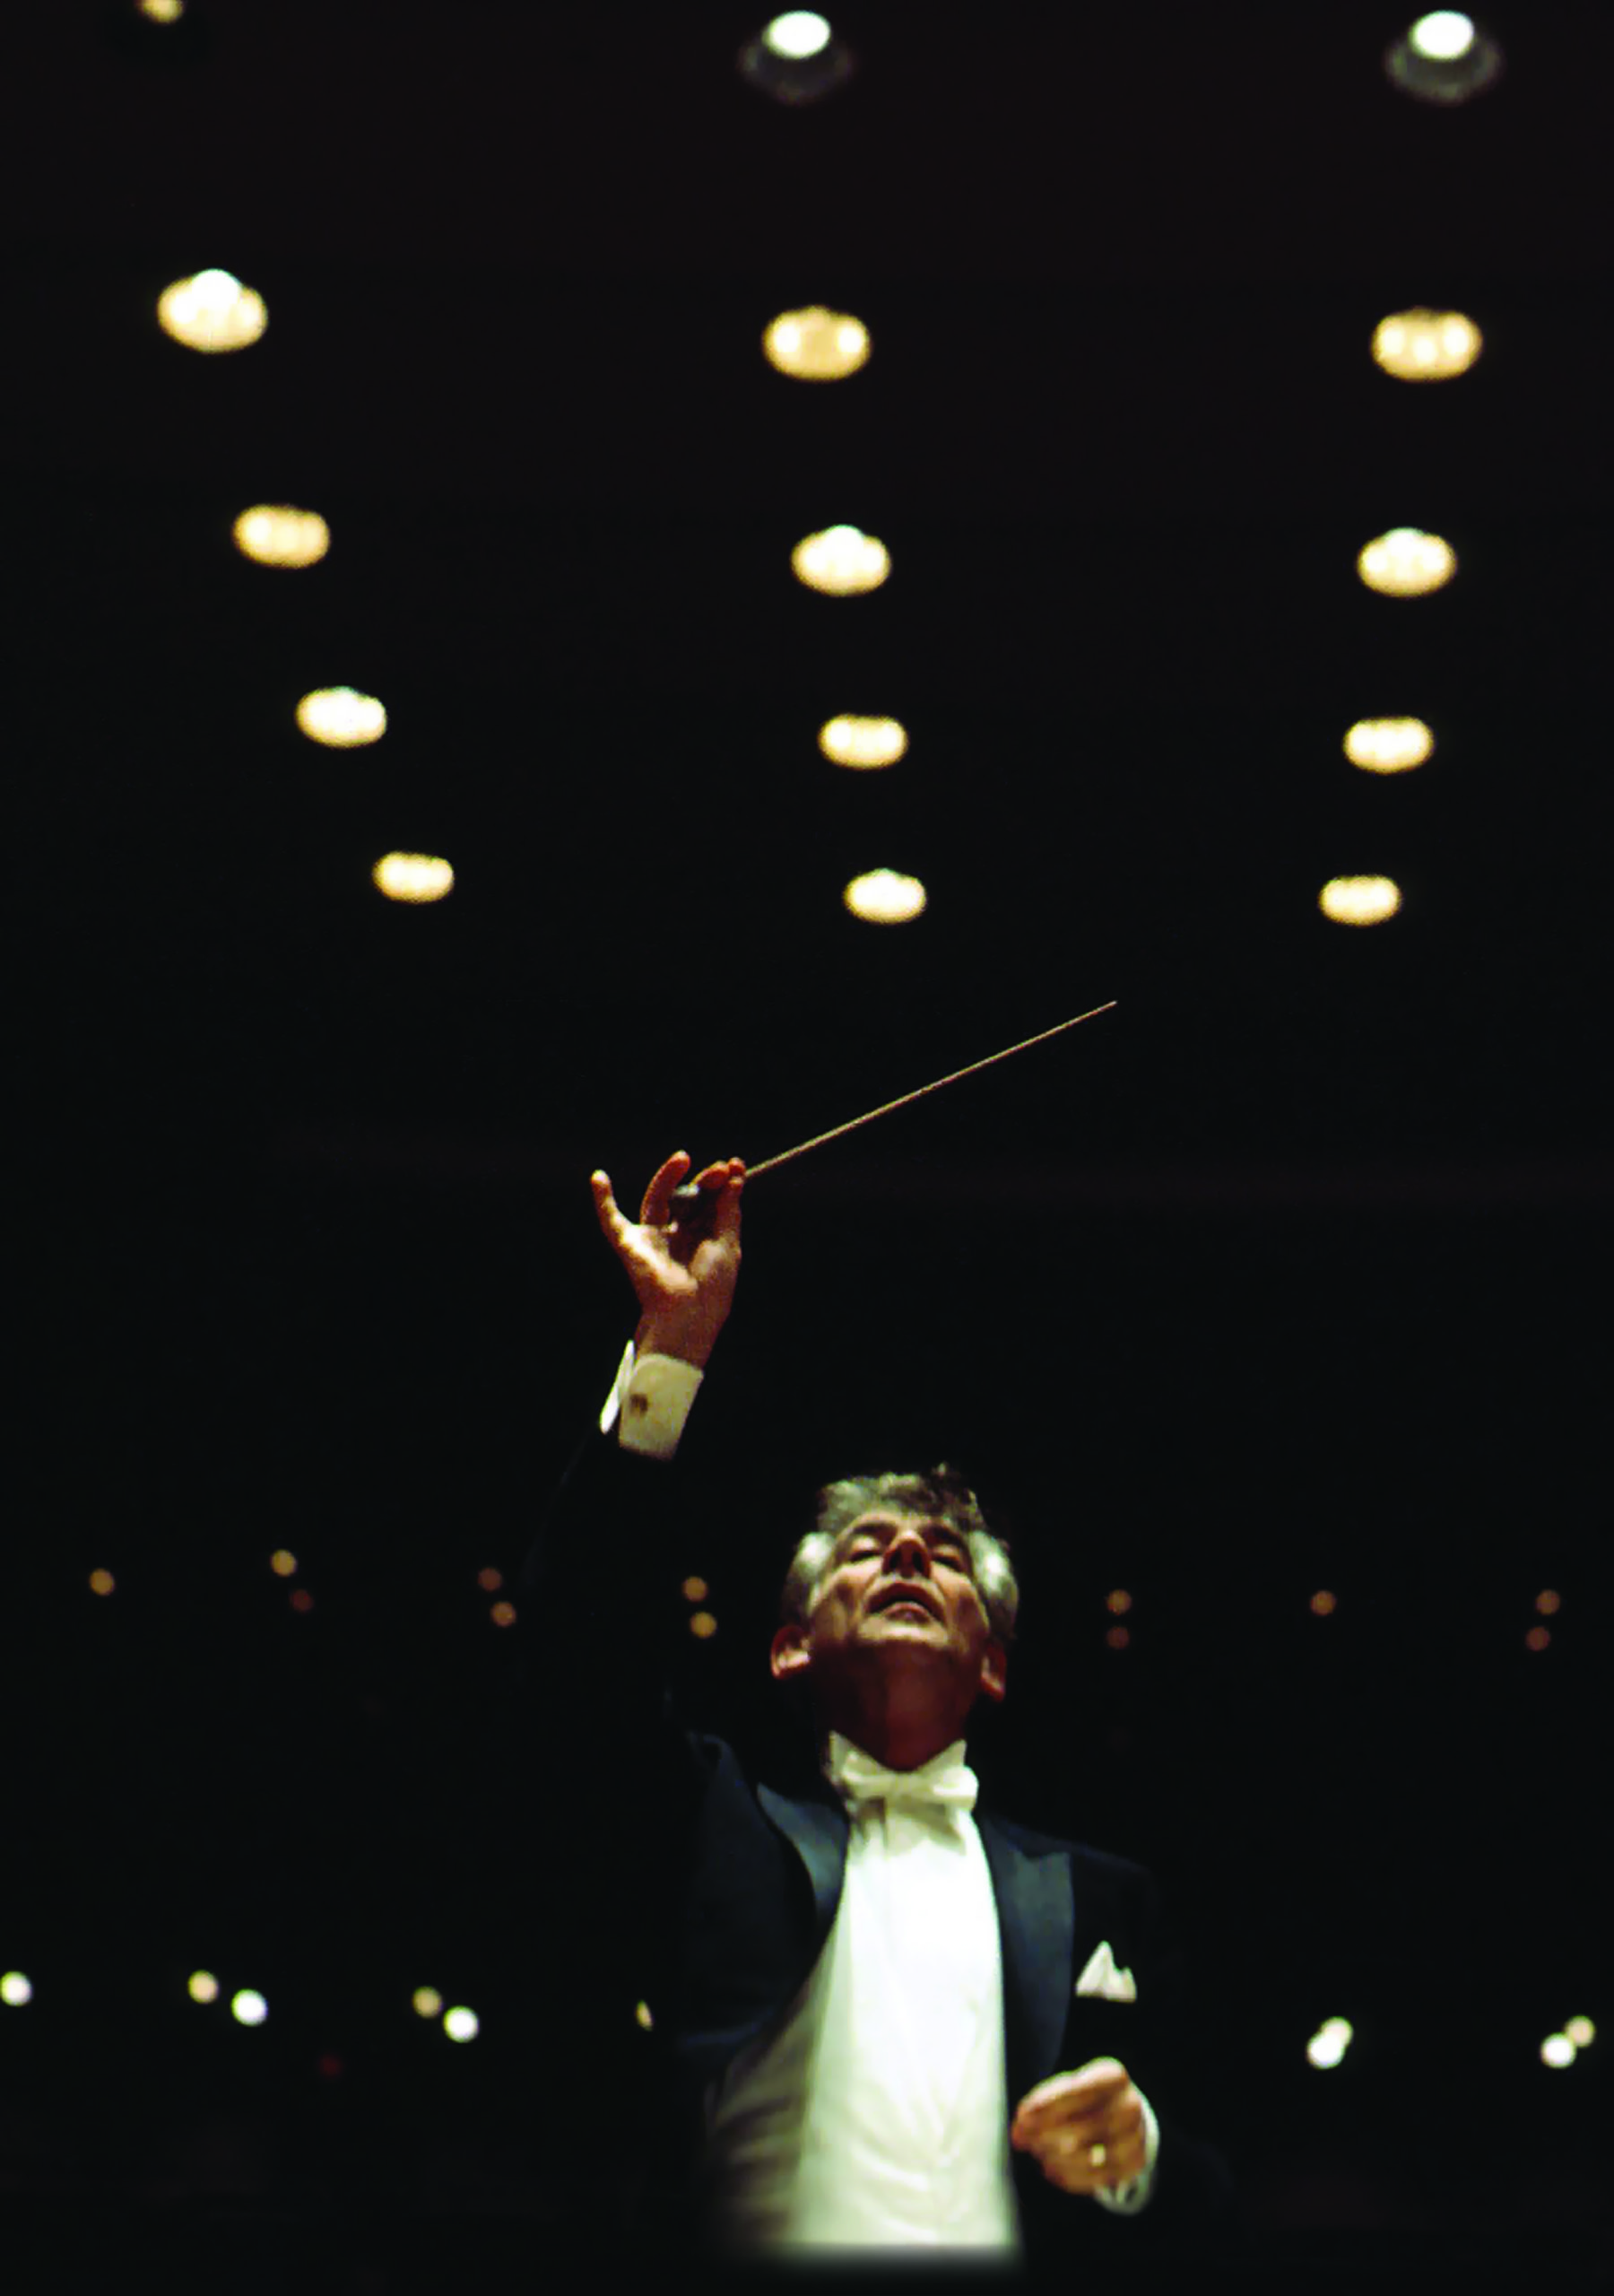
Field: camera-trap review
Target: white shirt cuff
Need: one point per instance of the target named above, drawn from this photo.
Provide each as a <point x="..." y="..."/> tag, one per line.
<point x="649" y="1401"/>
<point x="1127" y="2199"/>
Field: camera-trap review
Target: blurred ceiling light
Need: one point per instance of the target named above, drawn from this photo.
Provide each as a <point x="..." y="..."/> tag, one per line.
<point x="1388" y="745"/>
<point x="460" y="2025"/>
<point x="248" y="2008"/>
<point x="1423" y="346"/>
<point x="102" y="1582"/>
<point x="798" y="34"/>
<point x="1444" y="58"/>
<point x="274" y="534"/>
<point x="16" y="1990"/>
<point x="1360" y="900"/>
<point x="883" y="897"/>
<point x="1406" y="563"/>
<point x="160" y="11"/>
<point x="284" y="1563"/>
<point x="795" y="59"/>
<point x="862" y="742"/>
<point x="341" y="718"/>
<point x="1328" y="2045"/>
<point x="817" y="345"/>
<point x="1442" y="36"/>
<point x="427" y="2001"/>
<point x="1580" y="2031"/>
<point x="841" y="561"/>
<point x="212" y="311"/>
<point x="412" y="877"/>
<point x="1558" y="2050"/>
<point x="202" y="1986"/>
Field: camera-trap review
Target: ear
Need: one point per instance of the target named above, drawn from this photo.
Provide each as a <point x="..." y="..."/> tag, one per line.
<point x="789" y="1655"/>
<point x="994" y="1672"/>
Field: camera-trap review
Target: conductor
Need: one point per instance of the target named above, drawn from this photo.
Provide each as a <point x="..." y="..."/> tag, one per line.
<point x="884" y="2020"/>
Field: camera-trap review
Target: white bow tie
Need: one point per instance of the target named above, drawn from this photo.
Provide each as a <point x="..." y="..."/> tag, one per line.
<point x="942" y="1781"/>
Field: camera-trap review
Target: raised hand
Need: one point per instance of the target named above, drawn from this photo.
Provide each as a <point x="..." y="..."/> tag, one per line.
<point x="683" y="1274"/>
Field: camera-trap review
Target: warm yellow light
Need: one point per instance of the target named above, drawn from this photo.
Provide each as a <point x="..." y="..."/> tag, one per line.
<point x="695" y="1590"/>
<point x="1117" y="1599"/>
<point x="274" y="534"/>
<point x="1421" y="346"/>
<point x="212" y="311"/>
<point x="1580" y="2031"/>
<point x="816" y="346"/>
<point x="1323" y="1604"/>
<point x="102" y="1582"/>
<point x="341" y="718"/>
<point x="703" y="1625"/>
<point x="1360" y="900"/>
<point x="490" y="1581"/>
<point x="412" y="877"/>
<point x="862" y="742"/>
<point x="502" y="1613"/>
<point x="427" y="2001"/>
<point x="1388" y="745"/>
<point x="642" y="2017"/>
<point x="841" y="561"/>
<point x="883" y="897"/>
<point x="162" y="11"/>
<point x="203" y="1986"/>
<point x="282" y="1562"/>
<point x="1547" y="1601"/>
<point x="1405" y="562"/>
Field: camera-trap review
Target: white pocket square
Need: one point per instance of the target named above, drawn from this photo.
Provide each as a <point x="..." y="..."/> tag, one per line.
<point x="1101" y="1977"/>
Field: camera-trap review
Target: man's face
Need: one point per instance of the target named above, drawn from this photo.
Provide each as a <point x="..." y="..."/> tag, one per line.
<point x="899" y="1597"/>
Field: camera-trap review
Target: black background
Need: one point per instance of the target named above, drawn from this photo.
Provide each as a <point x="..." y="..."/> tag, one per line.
<point x="1290" y="1273"/>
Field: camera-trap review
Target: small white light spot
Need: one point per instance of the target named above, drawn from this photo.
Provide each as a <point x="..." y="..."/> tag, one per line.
<point x="798" y="34"/>
<point x="1444" y="36"/>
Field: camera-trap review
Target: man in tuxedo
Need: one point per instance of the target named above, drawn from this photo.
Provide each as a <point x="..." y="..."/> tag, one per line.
<point x="885" y="2021"/>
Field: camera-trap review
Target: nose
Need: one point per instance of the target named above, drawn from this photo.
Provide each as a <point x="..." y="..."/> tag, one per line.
<point x="906" y="1545"/>
<point x="908" y="1556"/>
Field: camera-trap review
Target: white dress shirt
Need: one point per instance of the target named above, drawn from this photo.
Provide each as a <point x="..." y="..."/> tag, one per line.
<point x="874" y="2111"/>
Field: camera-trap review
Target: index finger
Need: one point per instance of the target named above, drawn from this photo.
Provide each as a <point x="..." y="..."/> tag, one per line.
<point x="659" y="1193"/>
<point x="1074" y="2094"/>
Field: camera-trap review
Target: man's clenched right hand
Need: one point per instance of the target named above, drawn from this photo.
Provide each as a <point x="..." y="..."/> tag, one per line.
<point x="683" y="1275"/>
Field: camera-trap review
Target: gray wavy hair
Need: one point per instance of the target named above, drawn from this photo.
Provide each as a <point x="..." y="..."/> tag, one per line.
<point x="940" y="1492"/>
